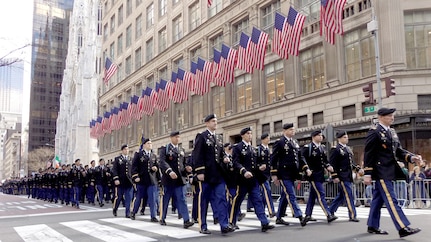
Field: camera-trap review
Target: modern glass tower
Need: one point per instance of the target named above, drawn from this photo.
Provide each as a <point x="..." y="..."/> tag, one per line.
<point x="49" y="49"/>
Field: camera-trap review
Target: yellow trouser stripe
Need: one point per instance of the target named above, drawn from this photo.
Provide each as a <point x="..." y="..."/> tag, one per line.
<point x="268" y="203"/>
<point x="391" y="204"/>
<point x="319" y="198"/>
<point x="347" y="196"/>
<point x="287" y="198"/>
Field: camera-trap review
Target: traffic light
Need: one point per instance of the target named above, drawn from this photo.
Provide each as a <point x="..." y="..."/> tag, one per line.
<point x="368" y="93"/>
<point x="390" y="87"/>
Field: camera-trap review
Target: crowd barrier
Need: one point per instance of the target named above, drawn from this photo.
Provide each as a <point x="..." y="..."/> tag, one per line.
<point x="415" y="194"/>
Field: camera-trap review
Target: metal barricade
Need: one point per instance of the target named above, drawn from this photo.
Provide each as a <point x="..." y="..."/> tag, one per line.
<point x="419" y="193"/>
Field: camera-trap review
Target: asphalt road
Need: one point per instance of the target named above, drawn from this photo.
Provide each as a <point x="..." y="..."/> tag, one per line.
<point x="23" y="219"/>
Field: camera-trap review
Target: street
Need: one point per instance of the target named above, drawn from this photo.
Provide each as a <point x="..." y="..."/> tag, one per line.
<point x="23" y="219"/>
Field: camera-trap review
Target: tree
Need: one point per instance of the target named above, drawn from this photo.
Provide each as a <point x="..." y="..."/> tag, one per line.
<point x="39" y="158"/>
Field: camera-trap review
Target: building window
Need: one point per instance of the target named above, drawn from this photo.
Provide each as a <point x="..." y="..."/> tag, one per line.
<point x="178" y="63"/>
<point x="120" y="15"/>
<point x="150" y="15"/>
<point x="138" y="58"/>
<point x="238" y="28"/>
<point x="274" y="81"/>
<point x="424" y="102"/>
<point x="302" y="121"/>
<point x="128" y="36"/>
<point x="268" y="16"/>
<point x="180" y="118"/>
<point x="105" y="32"/>
<point x="128" y="65"/>
<point x="219" y="101"/>
<point x="163" y="73"/>
<point x="195" y="53"/>
<point x="162" y="40"/>
<point x="243" y="93"/>
<point x="150" y="81"/>
<point x="360" y="55"/>
<point x="215" y="42"/>
<point x="151" y="126"/>
<point x="317" y="118"/>
<point x="112" y="24"/>
<point x="278" y="126"/>
<point x="311" y="8"/>
<point x="177" y="28"/>
<point x="418" y="39"/>
<point x="165" y="123"/>
<point x="198" y="109"/>
<point x="138" y="89"/>
<point x="312" y="69"/>
<point x="138" y="27"/>
<point x="112" y="51"/>
<point x="266" y="128"/>
<point x="120" y="44"/>
<point x="216" y="6"/>
<point x="162" y="8"/>
<point x="194" y="15"/>
<point x="138" y="2"/>
<point x="119" y="73"/>
<point x="149" y="50"/>
<point x="349" y="112"/>
<point x="129" y="7"/>
<point x="99" y="20"/>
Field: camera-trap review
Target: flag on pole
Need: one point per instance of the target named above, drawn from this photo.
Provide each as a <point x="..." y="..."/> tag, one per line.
<point x="110" y="69"/>
<point x="244" y="54"/>
<point x="259" y="39"/>
<point x="295" y="22"/>
<point x="331" y="19"/>
<point x="56" y="162"/>
<point x="217" y="75"/>
<point x="228" y="62"/>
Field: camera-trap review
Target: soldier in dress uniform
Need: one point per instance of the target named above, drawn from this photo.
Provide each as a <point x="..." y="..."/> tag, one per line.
<point x="174" y="175"/>
<point x="100" y="173"/>
<point x="77" y="174"/>
<point x="144" y="175"/>
<point x="263" y="158"/>
<point x="90" y="178"/>
<point x="121" y="172"/>
<point x="245" y="163"/>
<point x="382" y="150"/>
<point x="208" y="159"/>
<point x="341" y="159"/>
<point x="315" y="156"/>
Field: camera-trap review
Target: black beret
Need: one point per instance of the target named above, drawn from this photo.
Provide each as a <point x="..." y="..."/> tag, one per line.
<point x="226" y="145"/>
<point x="264" y="136"/>
<point x="124" y="146"/>
<point x="244" y="130"/>
<point x="145" y="140"/>
<point x="385" y="111"/>
<point x="174" y="133"/>
<point x="209" y="117"/>
<point x="316" y="132"/>
<point x="288" y="126"/>
<point x="340" y="134"/>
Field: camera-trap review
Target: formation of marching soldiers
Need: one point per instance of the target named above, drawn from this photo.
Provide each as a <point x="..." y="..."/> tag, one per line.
<point x="221" y="175"/>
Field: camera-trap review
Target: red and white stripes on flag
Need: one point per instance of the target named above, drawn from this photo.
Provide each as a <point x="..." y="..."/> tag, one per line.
<point x="228" y="61"/>
<point x="186" y="79"/>
<point x="162" y="102"/>
<point x="258" y="40"/>
<point x="331" y="19"/>
<point x="217" y="70"/>
<point x="203" y="76"/>
<point x="110" y="69"/>
<point x="244" y="54"/>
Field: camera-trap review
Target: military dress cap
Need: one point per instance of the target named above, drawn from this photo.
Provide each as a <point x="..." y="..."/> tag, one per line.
<point x="340" y="134"/>
<point x="264" y="136"/>
<point x="288" y="126"/>
<point x="316" y="132"/>
<point x="226" y="145"/>
<point x="244" y="130"/>
<point x="145" y="140"/>
<point x="209" y="117"/>
<point x="385" y="111"/>
<point x="174" y="133"/>
<point x="124" y="146"/>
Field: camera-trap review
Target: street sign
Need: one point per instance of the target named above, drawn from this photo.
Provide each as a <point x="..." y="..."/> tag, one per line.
<point x="370" y="109"/>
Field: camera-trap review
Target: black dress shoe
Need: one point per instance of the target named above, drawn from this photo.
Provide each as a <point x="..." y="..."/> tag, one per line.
<point x="215" y="220"/>
<point x="162" y="222"/>
<point x="372" y="230"/>
<point x="101" y="204"/>
<point x="127" y="216"/>
<point x="188" y="224"/>
<point x="272" y="215"/>
<point x="312" y="219"/>
<point x="408" y="231"/>
<point x="180" y="216"/>
<point x="132" y="216"/>
<point x="281" y="221"/>
<point x="241" y="216"/>
<point x="205" y="231"/>
<point x="114" y="212"/>
<point x="266" y="227"/>
<point x="305" y="220"/>
<point x="332" y="218"/>
<point x="155" y="220"/>
<point x="227" y="229"/>
<point x="353" y="220"/>
<point x="250" y="210"/>
<point x="234" y="226"/>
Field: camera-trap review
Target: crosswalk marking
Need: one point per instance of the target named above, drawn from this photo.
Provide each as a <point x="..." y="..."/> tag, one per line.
<point x="40" y="232"/>
<point x="104" y="232"/>
<point x="210" y="225"/>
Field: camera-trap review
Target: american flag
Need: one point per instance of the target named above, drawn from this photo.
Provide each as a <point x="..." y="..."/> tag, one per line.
<point x="106" y="125"/>
<point x="295" y="22"/>
<point x="120" y="117"/>
<point x="126" y="117"/>
<point x="193" y="68"/>
<point x="92" y="129"/>
<point x="172" y="87"/>
<point x="331" y="19"/>
<point x="141" y="105"/>
<point x="228" y="62"/>
<point x="186" y="78"/>
<point x="98" y="127"/>
<point x="204" y="76"/>
<point x="114" y="122"/>
<point x="217" y="75"/>
<point x="162" y="102"/>
<point x="133" y="107"/>
<point x="244" y="54"/>
<point x="278" y="45"/>
<point x="153" y="100"/>
<point x="259" y="39"/>
<point x="149" y="99"/>
<point x="110" y="69"/>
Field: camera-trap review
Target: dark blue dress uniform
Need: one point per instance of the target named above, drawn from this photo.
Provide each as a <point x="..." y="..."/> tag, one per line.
<point x="341" y="159"/>
<point x="287" y="162"/>
<point x="382" y="150"/>
<point x="101" y="183"/>
<point x="142" y="168"/>
<point x="77" y="174"/>
<point x="315" y="156"/>
<point x="263" y="158"/>
<point x="121" y="171"/>
<point x="208" y="160"/>
<point x="172" y="159"/>
<point x="245" y="159"/>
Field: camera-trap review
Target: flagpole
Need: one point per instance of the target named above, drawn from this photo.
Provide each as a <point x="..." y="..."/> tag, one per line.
<point x="372" y="27"/>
